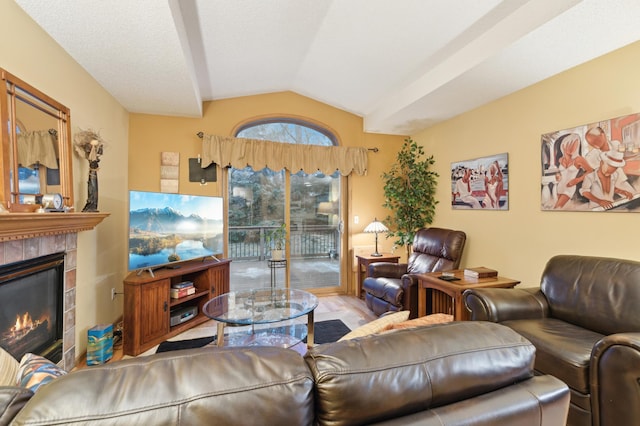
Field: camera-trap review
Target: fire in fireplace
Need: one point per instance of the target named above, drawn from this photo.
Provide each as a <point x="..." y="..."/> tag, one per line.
<point x="31" y="307"/>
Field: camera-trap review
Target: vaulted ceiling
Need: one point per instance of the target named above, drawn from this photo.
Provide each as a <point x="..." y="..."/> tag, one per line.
<point x="402" y="65"/>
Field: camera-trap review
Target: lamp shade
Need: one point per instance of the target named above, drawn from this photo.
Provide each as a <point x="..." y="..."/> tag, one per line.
<point x="376" y="226"/>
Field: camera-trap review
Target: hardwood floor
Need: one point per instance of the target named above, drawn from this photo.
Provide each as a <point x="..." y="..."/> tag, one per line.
<point x="353" y="308"/>
<point x="350" y="309"/>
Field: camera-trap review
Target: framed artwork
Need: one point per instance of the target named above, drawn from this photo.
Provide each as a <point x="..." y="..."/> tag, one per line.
<point x="481" y="183"/>
<point x="592" y="167"/>
<point x="169" y="172"/>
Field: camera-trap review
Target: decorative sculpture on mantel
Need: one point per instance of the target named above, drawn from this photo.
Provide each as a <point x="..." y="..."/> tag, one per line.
<point x="90" y="145"/>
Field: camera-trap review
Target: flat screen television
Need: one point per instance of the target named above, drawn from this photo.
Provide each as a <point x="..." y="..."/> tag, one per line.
<point x="166" y="228"/>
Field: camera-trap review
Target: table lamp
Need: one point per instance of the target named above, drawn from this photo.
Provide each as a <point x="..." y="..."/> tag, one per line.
<point x="376" y="227"/>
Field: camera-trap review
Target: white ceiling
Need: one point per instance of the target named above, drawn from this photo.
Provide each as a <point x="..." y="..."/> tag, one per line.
<point x="402" y="65"/>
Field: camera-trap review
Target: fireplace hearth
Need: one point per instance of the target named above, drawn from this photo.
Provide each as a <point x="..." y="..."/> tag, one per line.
<point x="31" y="307"/>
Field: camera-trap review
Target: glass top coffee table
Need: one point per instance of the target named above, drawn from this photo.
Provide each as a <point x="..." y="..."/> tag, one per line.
<point x="262" y="309"/>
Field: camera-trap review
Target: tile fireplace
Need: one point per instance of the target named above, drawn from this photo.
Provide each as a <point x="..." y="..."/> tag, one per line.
<point x="27" y="236"/>
<point x="43" y="314"/>
<point x="31" y="295"/>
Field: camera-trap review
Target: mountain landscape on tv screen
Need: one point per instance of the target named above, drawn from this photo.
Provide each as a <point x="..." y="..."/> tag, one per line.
<point x="163" y="235"/>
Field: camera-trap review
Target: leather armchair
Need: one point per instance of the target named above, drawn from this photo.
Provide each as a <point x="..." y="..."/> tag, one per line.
<point x="392" y="287"/>
<point x="585" y="324"/>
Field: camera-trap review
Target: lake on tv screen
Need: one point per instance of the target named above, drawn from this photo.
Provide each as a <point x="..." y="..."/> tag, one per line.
<point x="188" y="249"/>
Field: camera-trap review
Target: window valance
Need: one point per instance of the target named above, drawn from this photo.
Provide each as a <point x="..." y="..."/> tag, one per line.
<point x="37" y="147"/>
<point x="241" y="152"/>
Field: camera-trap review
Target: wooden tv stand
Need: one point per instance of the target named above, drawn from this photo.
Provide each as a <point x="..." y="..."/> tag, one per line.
<point x="148" y="303"/>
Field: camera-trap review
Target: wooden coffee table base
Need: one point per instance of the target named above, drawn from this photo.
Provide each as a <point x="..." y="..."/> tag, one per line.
<point x="454" y="289"/>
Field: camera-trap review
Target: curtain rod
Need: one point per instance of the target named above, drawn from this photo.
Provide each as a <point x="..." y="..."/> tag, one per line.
<point x="201" y="135"/>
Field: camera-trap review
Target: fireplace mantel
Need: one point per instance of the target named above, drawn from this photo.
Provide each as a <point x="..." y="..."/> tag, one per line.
<point x="16" y="226"/>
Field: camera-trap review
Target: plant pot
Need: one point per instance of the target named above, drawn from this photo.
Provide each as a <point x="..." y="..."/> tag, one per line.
<point x="277" y="254"/>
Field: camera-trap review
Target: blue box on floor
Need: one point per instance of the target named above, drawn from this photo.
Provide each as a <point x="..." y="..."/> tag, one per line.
<point x="100" y="344"/>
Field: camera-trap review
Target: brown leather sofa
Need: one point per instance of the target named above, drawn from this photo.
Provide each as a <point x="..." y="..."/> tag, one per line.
<point x="584" y="321"/>
<point x="392" y="287"/>
<point x="457" y="373"/>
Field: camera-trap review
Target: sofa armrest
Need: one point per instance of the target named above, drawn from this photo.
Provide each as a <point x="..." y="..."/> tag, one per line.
<point x="502" y="304"/>
<point x="12" y="399"/>
<point x="409" y="280"/>
<point x="615" y="372"/>
<point x="387" y="270"/>
<point x="409" y="284"/>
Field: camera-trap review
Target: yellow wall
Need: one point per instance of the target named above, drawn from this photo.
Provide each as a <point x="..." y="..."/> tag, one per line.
<point x="29" y="53"/>
<point x="150" y="135"/>
<point x="518" y="242"/>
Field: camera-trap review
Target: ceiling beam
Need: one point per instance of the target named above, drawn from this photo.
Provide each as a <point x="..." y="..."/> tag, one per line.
<point x="503" y="26"/>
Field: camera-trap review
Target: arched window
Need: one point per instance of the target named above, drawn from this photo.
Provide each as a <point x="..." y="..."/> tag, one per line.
<point x="287" y="130"/>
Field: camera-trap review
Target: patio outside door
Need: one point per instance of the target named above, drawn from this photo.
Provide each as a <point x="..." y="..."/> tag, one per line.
<point x="315" y="245"/>
<point x="309" y="205"/>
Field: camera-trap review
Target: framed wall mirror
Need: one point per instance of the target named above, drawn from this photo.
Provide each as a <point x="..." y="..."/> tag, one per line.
<point x="36" y="146"/>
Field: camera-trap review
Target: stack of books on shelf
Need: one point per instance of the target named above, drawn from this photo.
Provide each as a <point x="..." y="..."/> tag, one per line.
<point x="480" y="272"/>
<point x="182" y="289"/>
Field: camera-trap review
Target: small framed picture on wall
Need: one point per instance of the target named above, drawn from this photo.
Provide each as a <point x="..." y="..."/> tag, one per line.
<point x="481" y="183"/>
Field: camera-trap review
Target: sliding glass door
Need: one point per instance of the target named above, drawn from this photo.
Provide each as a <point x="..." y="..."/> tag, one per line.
<point x="315" y="238"/>
<point x="256" y="207"/>
<point x="309" y="204"/>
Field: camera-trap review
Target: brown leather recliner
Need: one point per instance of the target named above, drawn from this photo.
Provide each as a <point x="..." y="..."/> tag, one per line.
<point x="585" y="324"/>
<point x="391" y="287"/>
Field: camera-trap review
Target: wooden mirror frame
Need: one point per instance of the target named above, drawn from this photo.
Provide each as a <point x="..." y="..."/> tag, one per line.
<point x="14" y="89"/>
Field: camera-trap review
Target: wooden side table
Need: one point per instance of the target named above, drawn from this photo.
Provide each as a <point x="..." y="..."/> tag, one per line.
<point x="363" y="263"/>
<point x="454" y="289"/>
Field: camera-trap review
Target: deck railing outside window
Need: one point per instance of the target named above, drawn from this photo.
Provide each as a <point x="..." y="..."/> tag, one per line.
<point x="307" y="241"/>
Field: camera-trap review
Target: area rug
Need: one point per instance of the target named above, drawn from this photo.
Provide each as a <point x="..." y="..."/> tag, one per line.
<point x="324" y="332"/>
<point x="328" y="331"/>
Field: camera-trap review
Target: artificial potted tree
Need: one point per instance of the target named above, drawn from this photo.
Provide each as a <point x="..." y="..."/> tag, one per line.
<point x="276" y="240"/>
<point x="409" y="191"/>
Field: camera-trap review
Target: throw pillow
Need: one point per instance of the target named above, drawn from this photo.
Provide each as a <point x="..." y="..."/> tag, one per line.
<point x="377" y="325"/>
<point x="35" y="371"/>
<point x="419" y="322"/>
<point x="8" y="369"/>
